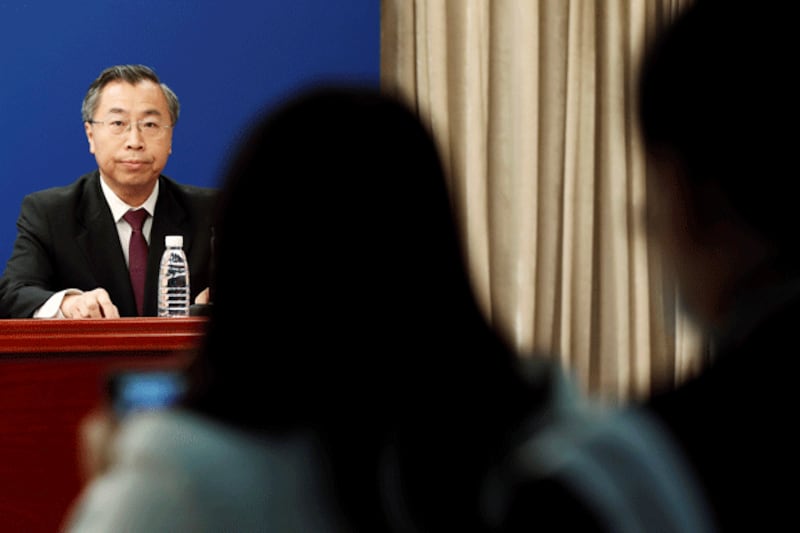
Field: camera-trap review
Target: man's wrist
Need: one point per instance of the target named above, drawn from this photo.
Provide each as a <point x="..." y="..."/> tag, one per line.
<point x="52" y="307"/>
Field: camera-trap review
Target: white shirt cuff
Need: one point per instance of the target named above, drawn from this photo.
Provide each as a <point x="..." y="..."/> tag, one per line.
<point x="52" y="307"/>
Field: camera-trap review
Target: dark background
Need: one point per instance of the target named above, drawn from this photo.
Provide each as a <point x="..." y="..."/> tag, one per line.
<point x="227" y="60"/>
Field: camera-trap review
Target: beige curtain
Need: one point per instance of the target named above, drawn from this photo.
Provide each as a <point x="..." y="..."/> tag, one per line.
<point x="533" y="105"/>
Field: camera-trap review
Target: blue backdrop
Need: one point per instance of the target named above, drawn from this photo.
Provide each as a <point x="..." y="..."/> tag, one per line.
<point x="227" y="60"/>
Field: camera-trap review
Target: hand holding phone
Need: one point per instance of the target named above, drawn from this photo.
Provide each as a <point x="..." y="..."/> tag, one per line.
<point x="137" y="390"/>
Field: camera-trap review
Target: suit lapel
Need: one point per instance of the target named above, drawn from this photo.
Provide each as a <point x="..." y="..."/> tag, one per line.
<point x="99" y="241"/>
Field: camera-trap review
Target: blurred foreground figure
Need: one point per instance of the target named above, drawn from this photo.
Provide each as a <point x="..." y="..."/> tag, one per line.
<point x="718" y="97"/>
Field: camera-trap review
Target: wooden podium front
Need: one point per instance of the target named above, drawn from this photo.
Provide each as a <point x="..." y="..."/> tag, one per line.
<point x="52" y="373"/>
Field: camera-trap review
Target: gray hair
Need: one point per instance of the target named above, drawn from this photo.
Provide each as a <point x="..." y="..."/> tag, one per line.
<point x="132" y="74"/>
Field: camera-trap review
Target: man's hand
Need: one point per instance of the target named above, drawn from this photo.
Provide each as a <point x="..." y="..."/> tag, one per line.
<point x="203" y="297"/>
<point x="95" y="432"/>
<point x="92" y="304"/>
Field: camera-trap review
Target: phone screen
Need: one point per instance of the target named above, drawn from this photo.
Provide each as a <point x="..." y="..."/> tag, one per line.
<point x="137" y="390"/>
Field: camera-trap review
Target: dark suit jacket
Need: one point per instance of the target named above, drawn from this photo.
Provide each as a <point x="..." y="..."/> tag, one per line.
<point x="66" y="238"/>
<point x="735" y="423"/>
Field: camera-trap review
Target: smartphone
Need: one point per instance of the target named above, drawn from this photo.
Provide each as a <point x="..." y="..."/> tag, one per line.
<point x="138" y="390"/>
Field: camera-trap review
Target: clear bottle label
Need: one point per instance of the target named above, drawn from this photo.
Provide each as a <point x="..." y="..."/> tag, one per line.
<point x="173" y="286"/>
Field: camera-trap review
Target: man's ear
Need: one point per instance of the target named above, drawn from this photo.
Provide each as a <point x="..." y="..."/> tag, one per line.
<point x="668" y="195"/>
<point x="89" y="136"/>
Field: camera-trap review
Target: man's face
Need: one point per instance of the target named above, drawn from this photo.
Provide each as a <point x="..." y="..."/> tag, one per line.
<point x="130" y="161"/>
<point x="695" y="251"/>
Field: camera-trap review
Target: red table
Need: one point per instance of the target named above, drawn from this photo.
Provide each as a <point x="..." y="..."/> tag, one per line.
<point x="51" y="374"/>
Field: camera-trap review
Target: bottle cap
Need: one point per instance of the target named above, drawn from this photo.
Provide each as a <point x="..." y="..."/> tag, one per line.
<point x="174" y="240"/>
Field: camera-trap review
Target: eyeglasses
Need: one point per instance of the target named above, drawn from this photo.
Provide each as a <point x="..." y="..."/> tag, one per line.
<point x="149" y="128"/>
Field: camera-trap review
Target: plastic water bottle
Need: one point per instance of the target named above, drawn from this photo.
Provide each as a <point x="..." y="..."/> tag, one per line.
<point x="173" y="279"/>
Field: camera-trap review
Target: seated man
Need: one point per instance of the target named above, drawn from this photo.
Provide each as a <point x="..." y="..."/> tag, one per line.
<point x="71" y="255"/>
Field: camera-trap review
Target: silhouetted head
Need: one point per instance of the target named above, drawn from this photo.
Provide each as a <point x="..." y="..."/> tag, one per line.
<point x="337" y="259"/>
<point x="717" y="95"/>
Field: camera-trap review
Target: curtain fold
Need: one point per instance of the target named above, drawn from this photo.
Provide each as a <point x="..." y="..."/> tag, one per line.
<point x="533" y="105"/>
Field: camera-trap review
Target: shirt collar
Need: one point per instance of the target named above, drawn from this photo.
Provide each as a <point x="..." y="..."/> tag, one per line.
<point x="119" y="208"/>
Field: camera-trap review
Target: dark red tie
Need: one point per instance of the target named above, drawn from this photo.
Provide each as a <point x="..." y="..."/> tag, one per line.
<point x="137" y="254"/>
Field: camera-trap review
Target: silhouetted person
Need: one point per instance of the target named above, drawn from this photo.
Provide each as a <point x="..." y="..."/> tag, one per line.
<point x="718" y="103"/>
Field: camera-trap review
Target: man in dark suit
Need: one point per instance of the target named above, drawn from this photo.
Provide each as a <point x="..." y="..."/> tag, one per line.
<point x="718" y="105"/>
<point x="70" y="258"/>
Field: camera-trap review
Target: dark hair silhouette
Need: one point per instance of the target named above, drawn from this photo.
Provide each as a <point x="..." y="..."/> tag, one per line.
<point x="716" y="93"/>
<point x="342" y="305"/>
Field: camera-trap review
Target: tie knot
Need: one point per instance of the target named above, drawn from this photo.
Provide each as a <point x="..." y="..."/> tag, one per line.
<point x="135" y="218"/>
